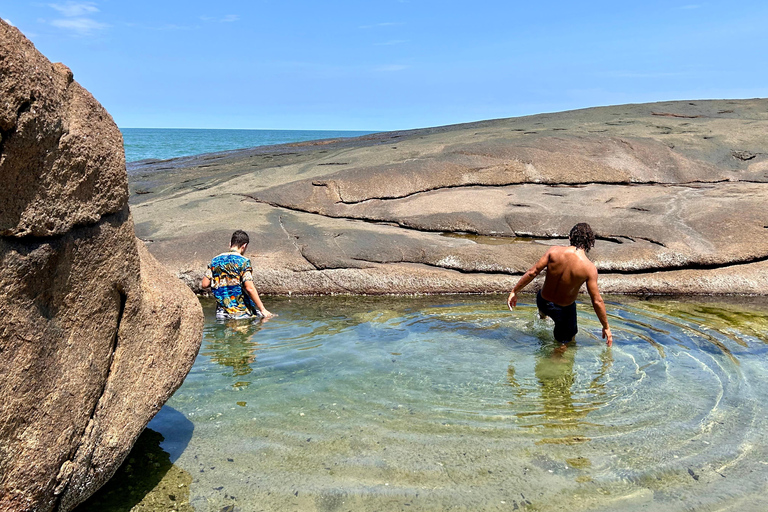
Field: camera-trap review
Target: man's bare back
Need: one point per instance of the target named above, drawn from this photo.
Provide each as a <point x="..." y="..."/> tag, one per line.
<point x="567" y="269"/>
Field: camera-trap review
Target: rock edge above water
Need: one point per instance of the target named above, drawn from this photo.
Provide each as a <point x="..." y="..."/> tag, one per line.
<point x="675" y="192"/>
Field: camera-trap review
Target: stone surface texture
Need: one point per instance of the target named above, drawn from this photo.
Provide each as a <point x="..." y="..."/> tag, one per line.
<point x="675" y="191"/>
<point x="95" y="335"/>
<point x="56" y="144"/>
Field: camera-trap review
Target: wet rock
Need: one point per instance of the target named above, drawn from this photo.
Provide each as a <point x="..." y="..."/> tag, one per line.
<point x="95" y="335"/>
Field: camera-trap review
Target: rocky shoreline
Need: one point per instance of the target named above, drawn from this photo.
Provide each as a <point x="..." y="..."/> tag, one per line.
<point x="675" y="191"/>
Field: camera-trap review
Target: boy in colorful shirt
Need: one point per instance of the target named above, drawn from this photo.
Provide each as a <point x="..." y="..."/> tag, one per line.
<point x="230" y="276"/>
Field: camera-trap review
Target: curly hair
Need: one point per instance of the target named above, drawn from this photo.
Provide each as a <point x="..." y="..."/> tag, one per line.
<point x="582" y="236"/>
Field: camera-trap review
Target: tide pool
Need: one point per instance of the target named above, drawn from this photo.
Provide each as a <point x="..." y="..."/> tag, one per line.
<point x="454" y="403"/>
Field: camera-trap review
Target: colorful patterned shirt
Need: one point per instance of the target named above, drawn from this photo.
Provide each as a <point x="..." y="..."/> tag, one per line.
<point x="228" y="273"/>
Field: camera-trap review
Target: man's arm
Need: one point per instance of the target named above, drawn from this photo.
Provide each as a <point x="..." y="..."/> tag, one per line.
<point x="206" y="283"/>
<point x="599" y="306"/>
<point x="529" y="276"/>
<point x="250" y="289"/>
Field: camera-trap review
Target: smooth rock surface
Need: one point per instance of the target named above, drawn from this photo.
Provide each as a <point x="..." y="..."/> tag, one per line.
<point x="675" y="192"/>
<point x="95" y="335"/>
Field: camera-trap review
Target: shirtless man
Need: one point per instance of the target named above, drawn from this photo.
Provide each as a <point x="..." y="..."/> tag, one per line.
<point x="567" y="269"/>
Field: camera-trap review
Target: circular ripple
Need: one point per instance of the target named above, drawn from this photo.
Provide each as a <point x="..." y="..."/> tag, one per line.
<point x="464" y="404"/>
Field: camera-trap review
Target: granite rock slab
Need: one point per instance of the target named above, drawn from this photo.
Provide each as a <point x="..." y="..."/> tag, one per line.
<point x="673" y="190"/>
<point x="95" y="334"/>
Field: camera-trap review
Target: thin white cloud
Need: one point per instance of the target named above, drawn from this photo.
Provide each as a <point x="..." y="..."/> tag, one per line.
<point x="391" y="68"/>
<point x="393" y="42"/>
<point x="9" y="22"/>
<point x="76" y="18"/>
<point x="229" y="18"/>
<point x="75" y="9"/>
<point x="80" y="26"/>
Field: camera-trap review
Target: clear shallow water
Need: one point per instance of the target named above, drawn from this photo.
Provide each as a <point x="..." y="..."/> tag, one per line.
<point x="454" y="403"/>
<point x="165" y="143"/>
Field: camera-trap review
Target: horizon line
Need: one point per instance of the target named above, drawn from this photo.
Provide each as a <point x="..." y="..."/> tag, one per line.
<point x="249" y="129"/>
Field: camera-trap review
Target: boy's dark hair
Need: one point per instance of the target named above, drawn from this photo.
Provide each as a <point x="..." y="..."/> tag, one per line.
<point x="582" y="236"/>
<point x="239" y="238"/>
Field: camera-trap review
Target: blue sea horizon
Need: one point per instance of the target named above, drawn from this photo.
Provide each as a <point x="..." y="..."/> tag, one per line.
<point x="165" y="143"/>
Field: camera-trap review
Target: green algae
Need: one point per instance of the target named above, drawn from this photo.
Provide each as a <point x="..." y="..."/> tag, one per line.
<point x="146" y="481"/>
<point x="579" y="462"/>
<point x="434" y="403"/>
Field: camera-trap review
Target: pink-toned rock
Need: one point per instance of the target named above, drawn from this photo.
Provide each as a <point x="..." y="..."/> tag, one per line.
<point x="673" y="190"/>
<point x="94" y="334"/>
<point x="60" y="164"/>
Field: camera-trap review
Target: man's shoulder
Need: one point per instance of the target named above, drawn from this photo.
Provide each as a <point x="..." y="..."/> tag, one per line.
<point x="561" y="253"/>
<point x="220" y="257"/>
<point x="556" y="250"/>
<point x="229" y="257"/>
<point x="589" y="266"/>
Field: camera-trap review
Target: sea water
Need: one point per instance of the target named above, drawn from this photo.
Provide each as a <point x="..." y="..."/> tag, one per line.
<point x="165" y="143"/>
<point x="456" y="403"/>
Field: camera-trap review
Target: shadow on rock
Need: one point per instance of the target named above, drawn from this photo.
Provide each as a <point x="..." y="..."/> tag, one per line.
<point x="147" y="479"/>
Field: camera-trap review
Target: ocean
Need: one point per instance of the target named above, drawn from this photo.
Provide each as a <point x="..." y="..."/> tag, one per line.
<point x="165" y="143"/>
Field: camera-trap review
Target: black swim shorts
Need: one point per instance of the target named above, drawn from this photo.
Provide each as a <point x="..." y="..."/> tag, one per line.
<point x="564" y="317"/>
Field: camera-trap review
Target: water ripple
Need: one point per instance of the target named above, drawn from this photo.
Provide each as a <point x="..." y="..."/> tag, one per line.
<point x="460" y="401"/>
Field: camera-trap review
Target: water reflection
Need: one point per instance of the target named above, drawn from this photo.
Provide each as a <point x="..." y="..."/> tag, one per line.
<point x="147" y="480"/>
<point x="598" y="384"/>
<point x="377" y="403"/>
<point x="738" y="322"/>
<point x="561" y="401"/>
<point x="232" y="344"/>
<point x="169" y="419"/>
<point x="554" y="371"/>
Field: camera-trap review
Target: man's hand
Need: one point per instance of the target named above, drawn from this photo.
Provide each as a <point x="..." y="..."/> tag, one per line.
<point x="266" y="314"/>
<point x="607" y="335"/>
<point x="512" y="300"/>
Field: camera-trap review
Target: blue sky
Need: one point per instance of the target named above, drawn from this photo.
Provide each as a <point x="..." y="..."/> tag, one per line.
<point x="392" y="64"/>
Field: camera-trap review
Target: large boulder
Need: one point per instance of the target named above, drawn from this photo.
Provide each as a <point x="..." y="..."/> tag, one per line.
<point x="676" y="192"/>
<point x="95" y="335"/>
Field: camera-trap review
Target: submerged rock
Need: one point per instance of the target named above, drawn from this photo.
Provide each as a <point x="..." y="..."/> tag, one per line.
<point x="95" y="335"/>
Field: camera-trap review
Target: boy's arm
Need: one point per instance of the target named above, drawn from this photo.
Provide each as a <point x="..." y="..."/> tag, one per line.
<point x="599" y="306"/>
<point x="250" y="289"/>
<point x="206" y="282"/>
<point x="529" y="276"/>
